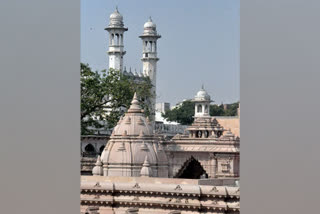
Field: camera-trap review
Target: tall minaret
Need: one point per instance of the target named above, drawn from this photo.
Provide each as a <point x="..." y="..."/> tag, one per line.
<point x="116" y="30"/>
<point x="149" y="58"/>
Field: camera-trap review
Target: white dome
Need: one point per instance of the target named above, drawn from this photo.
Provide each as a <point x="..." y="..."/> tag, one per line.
<point x="202" y="95"/>
<point x="116" y="19"/>
<point x="116" y="15"/>
<point x="149" y="28"/>
<point x="150" y="24"/>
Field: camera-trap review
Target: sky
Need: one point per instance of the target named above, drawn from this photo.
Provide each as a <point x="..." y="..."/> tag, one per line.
<point x="199" y="44"/>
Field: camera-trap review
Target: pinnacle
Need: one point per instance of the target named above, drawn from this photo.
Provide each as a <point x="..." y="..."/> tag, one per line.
<point x="135" y="104"/>
<point x="146" y="162"/>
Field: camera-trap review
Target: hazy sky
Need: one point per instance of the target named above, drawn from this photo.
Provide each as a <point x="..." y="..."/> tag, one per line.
<point x="199" y="45"/>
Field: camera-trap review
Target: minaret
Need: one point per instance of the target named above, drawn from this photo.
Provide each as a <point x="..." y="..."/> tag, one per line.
<point x="116" y="30"/>
<point x="149" y="58"/>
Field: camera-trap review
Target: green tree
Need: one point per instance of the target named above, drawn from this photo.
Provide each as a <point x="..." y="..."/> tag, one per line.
<point x="232" y="109"/>
<point x="182" y="114"/>
<point x="113" y="89"/>
<point x="216" y="110"/>
<point x="185" y="112"/>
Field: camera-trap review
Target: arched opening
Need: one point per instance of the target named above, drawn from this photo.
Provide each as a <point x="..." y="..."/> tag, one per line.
<point x="112" y="39"/>
<point x="219" y="133"/>
<point x="206" y="134"/>
<point x="145" y="46"/>
<point x="89" y="148"/>
<point x="199" y="108"/>
<point x="117" y="40"/>
<point x="191" y="169"/>
<point x="101" y="149"/>
<point x="151" y="46"/>
<point x="199" y="134"/>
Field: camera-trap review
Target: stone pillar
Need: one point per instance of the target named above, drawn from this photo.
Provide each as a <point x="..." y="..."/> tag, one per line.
<point x="105" y="170"/>
<point x="214" y="166"/>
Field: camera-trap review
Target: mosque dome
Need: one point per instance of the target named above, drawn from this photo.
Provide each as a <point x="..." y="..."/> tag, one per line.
<point x="116" y="19"/>
<point x="202" y="95"/>
<point x="150" y="24"/>
<point x="149" y="28"/>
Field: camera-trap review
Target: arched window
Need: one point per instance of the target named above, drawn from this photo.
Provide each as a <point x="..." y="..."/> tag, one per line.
<point x="117" y="41"/>
<point x="199" y="134"/>
<point x="191" y="169"/>
<point x="206" y="134"/>
<point x="199" y="108"/>
<point x="112" y="39"/>
<point x="89" y="148"/>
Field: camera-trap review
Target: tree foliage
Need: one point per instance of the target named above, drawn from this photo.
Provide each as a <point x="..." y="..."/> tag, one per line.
<point x="182" y="114"/>
<point x="106" y="96"/>
<point x="185" y="112"/>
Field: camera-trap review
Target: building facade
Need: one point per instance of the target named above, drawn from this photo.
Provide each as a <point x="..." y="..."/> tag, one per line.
<point x="205" y="150"/>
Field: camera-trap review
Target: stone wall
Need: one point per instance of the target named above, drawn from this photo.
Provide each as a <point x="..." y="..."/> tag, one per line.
<point x="232" y="123"/>
<point x="104" y="195"/>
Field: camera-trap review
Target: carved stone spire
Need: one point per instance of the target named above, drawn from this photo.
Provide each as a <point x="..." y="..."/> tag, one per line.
<point x="97" y="170"/>
<point x="135" y="108"/>
<point x="146" y="170"/>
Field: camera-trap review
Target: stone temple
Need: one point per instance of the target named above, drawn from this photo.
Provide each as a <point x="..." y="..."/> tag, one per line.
<point x="141" y="171"/>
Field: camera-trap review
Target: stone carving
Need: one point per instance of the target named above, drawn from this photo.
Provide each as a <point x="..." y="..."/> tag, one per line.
<point x="178" y="200"/>
<point x="136" y="186"/>
<point x="97" y="185"/>
<point x="214" y="189"/>
<point x="178" y="187"/>
<point x="135" y="198"/>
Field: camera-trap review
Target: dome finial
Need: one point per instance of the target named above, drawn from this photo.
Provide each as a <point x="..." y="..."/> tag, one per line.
<point x="202" y="87"/>
<point x="135" y="104"/>
<point x="135" y="96"/>
<point x="117" y="9"/>
<point x="150" y="19"/>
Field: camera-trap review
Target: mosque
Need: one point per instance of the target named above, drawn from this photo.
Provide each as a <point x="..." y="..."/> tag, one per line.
<point x="141" y="171"/>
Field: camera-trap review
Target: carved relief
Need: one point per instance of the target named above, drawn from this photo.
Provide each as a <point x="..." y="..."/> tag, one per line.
<point x="136" y="186"/>
<point x="178" y="187"/>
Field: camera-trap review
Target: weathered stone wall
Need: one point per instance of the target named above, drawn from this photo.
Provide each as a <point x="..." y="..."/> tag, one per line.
<point x="155" y="195"/>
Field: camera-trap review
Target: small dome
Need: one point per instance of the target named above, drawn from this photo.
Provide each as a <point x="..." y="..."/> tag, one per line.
<point x="202" y="95"/>
<point x="116" y="15"/>
<point x="149" y="28"/>
<point x="116" y="19"/>
<point x="149" y="24"/>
